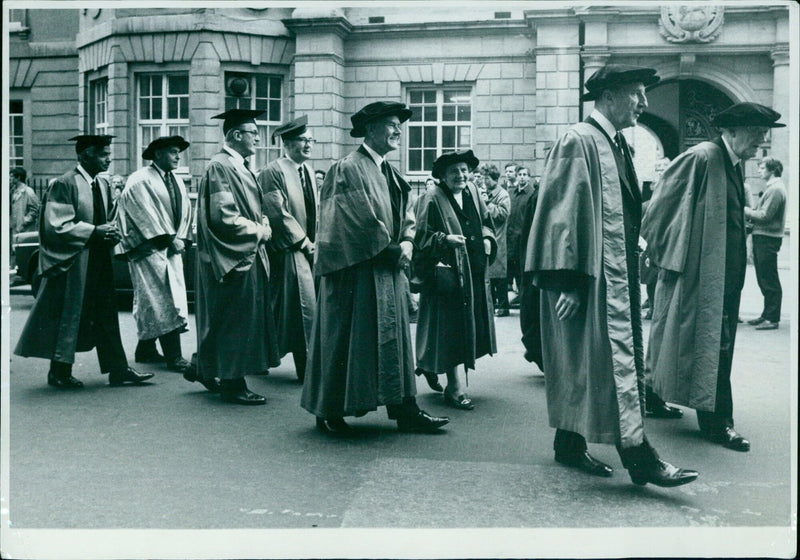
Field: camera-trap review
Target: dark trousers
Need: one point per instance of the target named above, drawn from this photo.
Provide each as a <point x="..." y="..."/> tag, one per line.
<point x="765" y="259"/>
<point x="500" y="293"/>
<point x="514" y="271"/>
<point x="723" y="412"/>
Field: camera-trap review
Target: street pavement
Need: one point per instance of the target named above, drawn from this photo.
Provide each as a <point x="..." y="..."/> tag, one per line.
<point x="170" y="455"/>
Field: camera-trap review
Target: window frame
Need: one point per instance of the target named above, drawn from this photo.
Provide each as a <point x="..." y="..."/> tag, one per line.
<point x="98" y="126"/>
<point x="265" y="126"/>
<point x="166" y="125"/>
<point x="439" y="102"/>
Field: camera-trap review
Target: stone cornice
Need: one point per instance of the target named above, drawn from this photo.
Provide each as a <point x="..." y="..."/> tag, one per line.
<point x="697" y="49"/>
<point x="427" y="28"/>
<point x="42" y="50"/>
<point x="310" y="57"/>
<point x="337" y="25"/>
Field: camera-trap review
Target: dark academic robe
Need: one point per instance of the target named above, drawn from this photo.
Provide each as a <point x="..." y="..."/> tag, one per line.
<point x="75" y="308"/>
<point x="149" y="217"/>
<point x="454" y="329"/>
<point x="235" y="327"/>
<point x="586" y="226"/>
<point x="360" y="355"/>
<point x="694" y="228"/>
<point x="292" y="215"/>
<point x="529" y="297"/>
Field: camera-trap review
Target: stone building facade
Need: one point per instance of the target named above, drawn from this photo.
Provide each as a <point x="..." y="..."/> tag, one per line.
<point x="502" y="80"/>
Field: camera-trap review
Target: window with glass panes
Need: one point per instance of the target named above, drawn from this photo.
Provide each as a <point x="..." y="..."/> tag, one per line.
<point x="163" y="109"/>
<point x="16" y="143"/>
<point x="441" y="121"/>
<point x="98" y="105"/>
<point x="259" y="92"/>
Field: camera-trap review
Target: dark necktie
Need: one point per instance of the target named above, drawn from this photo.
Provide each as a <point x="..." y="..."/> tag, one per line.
<point x="99" y="210"/>
<point x="626" y="155"/>
<point x="394" y="195"/>
<point x="174" y="196"/>
<point x="739" y="171"/>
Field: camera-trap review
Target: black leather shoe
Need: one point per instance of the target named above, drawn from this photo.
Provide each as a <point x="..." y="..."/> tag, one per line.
<point x="586" y="463"/>
<point x="661" y="474"/>
<point x="179" y="364"/>
<point x="213" y="385"/>
<point x="767" y="326"/>
<point x="432" y="379"/>
<point x="461" y="402"/>
<point x="514" y="303"/>
<point x="65" y="383"/>
<point x="244" y="396"/>
<point x="420" y="421"/>
<point x="732" y="439"/>
<point x="757" y="321"/>
<point x="333" y="426"/>
<point x="662" y="410"/>
<point x="129" y="375"/>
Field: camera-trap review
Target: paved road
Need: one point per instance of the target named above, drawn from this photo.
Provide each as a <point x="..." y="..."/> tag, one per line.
<point x="171" y="456"/>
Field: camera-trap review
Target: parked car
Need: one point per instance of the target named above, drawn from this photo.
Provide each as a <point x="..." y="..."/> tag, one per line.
<point x="26" y="249"/>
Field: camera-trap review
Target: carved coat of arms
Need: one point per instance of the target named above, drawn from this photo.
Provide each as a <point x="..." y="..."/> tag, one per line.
<point x="690" y="23"/>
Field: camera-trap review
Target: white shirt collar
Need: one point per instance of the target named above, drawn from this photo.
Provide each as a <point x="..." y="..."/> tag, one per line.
<point x="236" y="155"/>
<point x="82" y="171"/>
<point x="604" y="123"/>
<point x="376" y="157"/>
<point x="734" y="158"/>
<point x="773" y="180"/>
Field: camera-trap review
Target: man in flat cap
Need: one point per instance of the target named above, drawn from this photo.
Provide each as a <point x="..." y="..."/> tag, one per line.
<point x="290" y="203"/>
<point x="235" y="329"/>
<point x="695" y="233"/>
<point x="154" y="217"/>
<point x="360" y="356"/>
<point x="75" y="308"/>
<point x="582" y="249"/>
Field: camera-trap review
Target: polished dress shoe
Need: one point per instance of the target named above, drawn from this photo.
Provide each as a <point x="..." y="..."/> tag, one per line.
<point x="661" y="474"/>
<point x="420" y="421"/>
<point x="432" y="378"/>
<point x="514" y="303"/>
<point x="333" y="426"/>
<point x="63" y="382"/>
<point x="128" y="375"/>
<point x="585" y="462"/>
<point x="732" y="439"/>
<point x="757" y="321"/>
<point x="242" y="396"/>
<point x="462" y="401"/>
<point x="662" y="410"/>
<point x="179" y="364"/>
<point x="212" y="385"/>
<point x="767" y="326"/>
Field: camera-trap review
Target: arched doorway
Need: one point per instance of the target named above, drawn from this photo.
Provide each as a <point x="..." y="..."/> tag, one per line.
<point x="678" y="116"/>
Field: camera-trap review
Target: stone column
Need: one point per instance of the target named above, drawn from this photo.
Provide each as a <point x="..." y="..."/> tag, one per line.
<point x="206" y="85"/>
<point x="319" y="78"/>
<point x="123" y="148"/>
<point x="780" y="102"/>
<point x="558" y="84"/>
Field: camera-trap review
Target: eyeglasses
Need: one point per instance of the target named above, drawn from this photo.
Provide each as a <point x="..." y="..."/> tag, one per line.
<point x="306" y="141"/>
<point x="253" y="132"/>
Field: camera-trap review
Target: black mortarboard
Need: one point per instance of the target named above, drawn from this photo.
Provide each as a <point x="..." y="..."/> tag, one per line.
<point x="164" y="142"/>
<point x="446" y="160"/>
<point x="236" y="117"/>
<point x="83" y="141"/>
<point x="291" y="129"/>
<point x="748" y="114"/>
<point x="375" y="111"/>
<point x="611" y="76"/>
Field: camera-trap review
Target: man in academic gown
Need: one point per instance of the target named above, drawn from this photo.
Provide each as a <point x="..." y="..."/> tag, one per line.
<point x="290" y="203"/>
<point x="75" y="308"/>
<point x="360" y="355"/>
<point x="582" y="250"/>
<point x="235" y="328"/>
<point x="695" y="233"/>
<point x="154" y="217"/>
